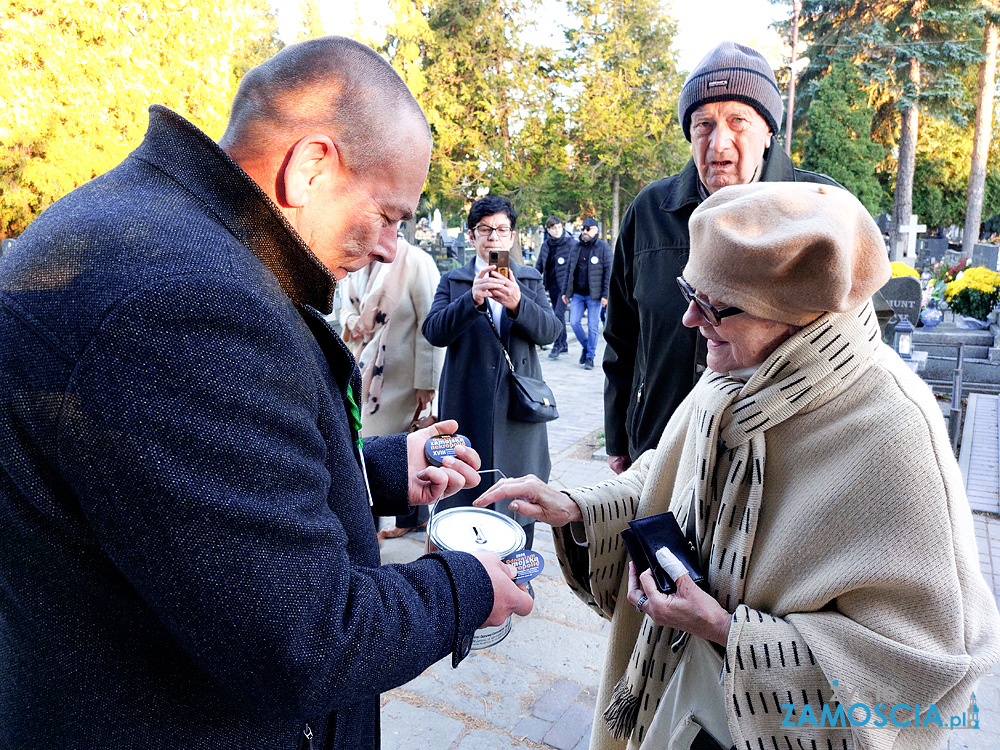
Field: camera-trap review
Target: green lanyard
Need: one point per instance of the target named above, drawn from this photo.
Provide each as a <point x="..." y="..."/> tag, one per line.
<point x="355" y="414"/>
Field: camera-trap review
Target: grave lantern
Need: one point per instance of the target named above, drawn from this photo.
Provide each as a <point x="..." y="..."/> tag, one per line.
<point x="902" y="339"/>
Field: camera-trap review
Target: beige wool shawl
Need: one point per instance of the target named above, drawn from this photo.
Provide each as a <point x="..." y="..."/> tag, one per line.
<point x="860" y="565"/>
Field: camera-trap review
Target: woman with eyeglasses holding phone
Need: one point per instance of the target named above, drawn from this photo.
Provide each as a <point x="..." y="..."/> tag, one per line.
<point x="812" y="472"/>
<point x="475" y="386"/>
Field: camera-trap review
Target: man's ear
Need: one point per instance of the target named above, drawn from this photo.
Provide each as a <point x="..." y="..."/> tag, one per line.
<point x="312" y="161"/>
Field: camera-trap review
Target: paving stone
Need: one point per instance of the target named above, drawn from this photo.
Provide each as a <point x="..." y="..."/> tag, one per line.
<point x="588" y="696"/>
<point x="531" y="728"/>
<point x="554" y="701"/>
<point x="584" y="744"/>
<point x="562" y="651"/>
<point x="569" y="730"/>
<point x="499" y="691"/>
<point x="480" y="739"/>
<point x="555" y="601"/>
<point x="405" y="727"/>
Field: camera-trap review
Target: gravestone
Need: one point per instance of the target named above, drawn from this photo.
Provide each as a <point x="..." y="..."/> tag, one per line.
<point x="930" y="250"/>
<point x="952" y="257"/>
<point x="903" y="296"/>
<point x="6" y="246"/>
<point x="459" y="247"/>
<point x="906" y="246"/>
<point x="985" y="256"/>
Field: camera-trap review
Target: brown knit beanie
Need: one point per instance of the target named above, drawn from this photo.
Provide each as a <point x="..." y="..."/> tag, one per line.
<point x="786" y="251"/>
<point x="731" y="73"/>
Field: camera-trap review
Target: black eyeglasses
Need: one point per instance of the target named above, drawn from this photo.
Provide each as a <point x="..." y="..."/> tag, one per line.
<point x="712" y="314"/>
<point x="484" y="230"/>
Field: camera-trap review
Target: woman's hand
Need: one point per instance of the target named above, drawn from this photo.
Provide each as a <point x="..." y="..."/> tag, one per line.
<point x="507" y="292"/>
<point x="535" y="499"/>
<point x="689" y="609"/>
<point x="482" y="286"/>
<point x="424" y="398"/>
<point x="490" y="284"/>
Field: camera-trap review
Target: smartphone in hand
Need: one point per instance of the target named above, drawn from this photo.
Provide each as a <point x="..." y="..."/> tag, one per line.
<point x="501" y="259"/>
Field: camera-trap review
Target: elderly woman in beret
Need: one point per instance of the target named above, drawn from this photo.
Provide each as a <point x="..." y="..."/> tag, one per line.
<point x="814" y="471"/>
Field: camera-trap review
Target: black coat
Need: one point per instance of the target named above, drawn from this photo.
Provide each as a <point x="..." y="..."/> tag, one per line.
<point x="553" y="262"/>
<point x="599" y="265"/>
<point x="188" y="556"/>
<point x="475" y="381"/>
<point x="650" y="356"/>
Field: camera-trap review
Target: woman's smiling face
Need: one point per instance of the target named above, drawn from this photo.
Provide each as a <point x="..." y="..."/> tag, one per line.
<point x="740" y="340"/>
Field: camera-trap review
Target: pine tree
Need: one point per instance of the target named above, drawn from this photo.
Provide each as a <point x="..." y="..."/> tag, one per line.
<point x="911" y="54"/>
<point x="840" y="136"/>
<point x="625" y="130"/>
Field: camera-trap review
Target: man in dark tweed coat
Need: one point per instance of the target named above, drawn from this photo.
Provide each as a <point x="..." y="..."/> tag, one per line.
<point x="188" y="556"/>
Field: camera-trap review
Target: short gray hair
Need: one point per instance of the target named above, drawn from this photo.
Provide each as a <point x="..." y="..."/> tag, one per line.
<point x="332" y="84"/>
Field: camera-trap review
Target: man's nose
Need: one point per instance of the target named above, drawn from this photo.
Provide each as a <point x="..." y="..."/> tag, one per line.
<point x="722" y="137"/>
<point x="385" y="249"/>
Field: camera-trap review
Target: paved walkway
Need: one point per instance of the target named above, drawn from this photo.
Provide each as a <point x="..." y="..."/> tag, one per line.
<point x="537" y="688"/>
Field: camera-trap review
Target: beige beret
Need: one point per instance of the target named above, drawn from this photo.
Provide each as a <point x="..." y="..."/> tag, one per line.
<point x="786" y="251"/>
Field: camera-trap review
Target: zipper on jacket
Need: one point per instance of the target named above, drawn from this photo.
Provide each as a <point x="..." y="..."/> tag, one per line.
<point x="307" y="736"/>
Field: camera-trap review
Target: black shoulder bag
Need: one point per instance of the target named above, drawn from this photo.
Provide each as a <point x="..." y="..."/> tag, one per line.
<point x="530" y="399"/>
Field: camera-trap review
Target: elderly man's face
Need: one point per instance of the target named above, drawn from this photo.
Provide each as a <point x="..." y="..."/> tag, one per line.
<point x="727" y="141"/>
<point x="738" y="341"/>
<point x="353" y="219"/>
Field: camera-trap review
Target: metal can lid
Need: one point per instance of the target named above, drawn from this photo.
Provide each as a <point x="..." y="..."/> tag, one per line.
<point x="475" y="530"/>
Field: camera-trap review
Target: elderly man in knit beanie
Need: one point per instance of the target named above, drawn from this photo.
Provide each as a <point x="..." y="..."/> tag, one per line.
<point x="729" y="110"/>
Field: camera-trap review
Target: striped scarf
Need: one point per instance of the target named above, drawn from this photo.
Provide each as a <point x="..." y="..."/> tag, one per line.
<point x="730" y="420"/>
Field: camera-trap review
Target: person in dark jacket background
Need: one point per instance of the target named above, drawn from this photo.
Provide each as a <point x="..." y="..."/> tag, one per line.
<point x="189" y="556"/>
<point x="475" y="388"/>
<point x="552" y="263"/>
<point x="729" y="109"/>
<point x="586" y="287"/>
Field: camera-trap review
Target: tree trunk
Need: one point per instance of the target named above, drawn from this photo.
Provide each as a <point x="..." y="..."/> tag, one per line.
<point x="616" y="208"/>
<point x="981" y="141"/>
<point x="902" y="205"/>
<point x="796" y="7"/>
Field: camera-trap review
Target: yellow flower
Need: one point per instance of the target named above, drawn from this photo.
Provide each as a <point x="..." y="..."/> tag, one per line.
<point x="975" y="279"/>
<point x="901" y="269"/>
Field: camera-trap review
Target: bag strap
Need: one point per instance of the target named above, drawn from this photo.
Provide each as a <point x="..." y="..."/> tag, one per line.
<point x="489" y="319"/>
<point x="416" y="414"/>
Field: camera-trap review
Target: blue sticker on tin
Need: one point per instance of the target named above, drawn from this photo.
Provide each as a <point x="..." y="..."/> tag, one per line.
<point x="437" y="448"/>
<point x="528" y="564"/>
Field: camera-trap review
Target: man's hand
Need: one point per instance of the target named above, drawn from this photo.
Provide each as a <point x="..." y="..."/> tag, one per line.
<point x="565" y="299"/>
<point x="618" y="464"/>
<point x="604" y="301"/>
<point x="428" y="484"/>
<point x="535" y="499"/>
<point x="508" y="597"/>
